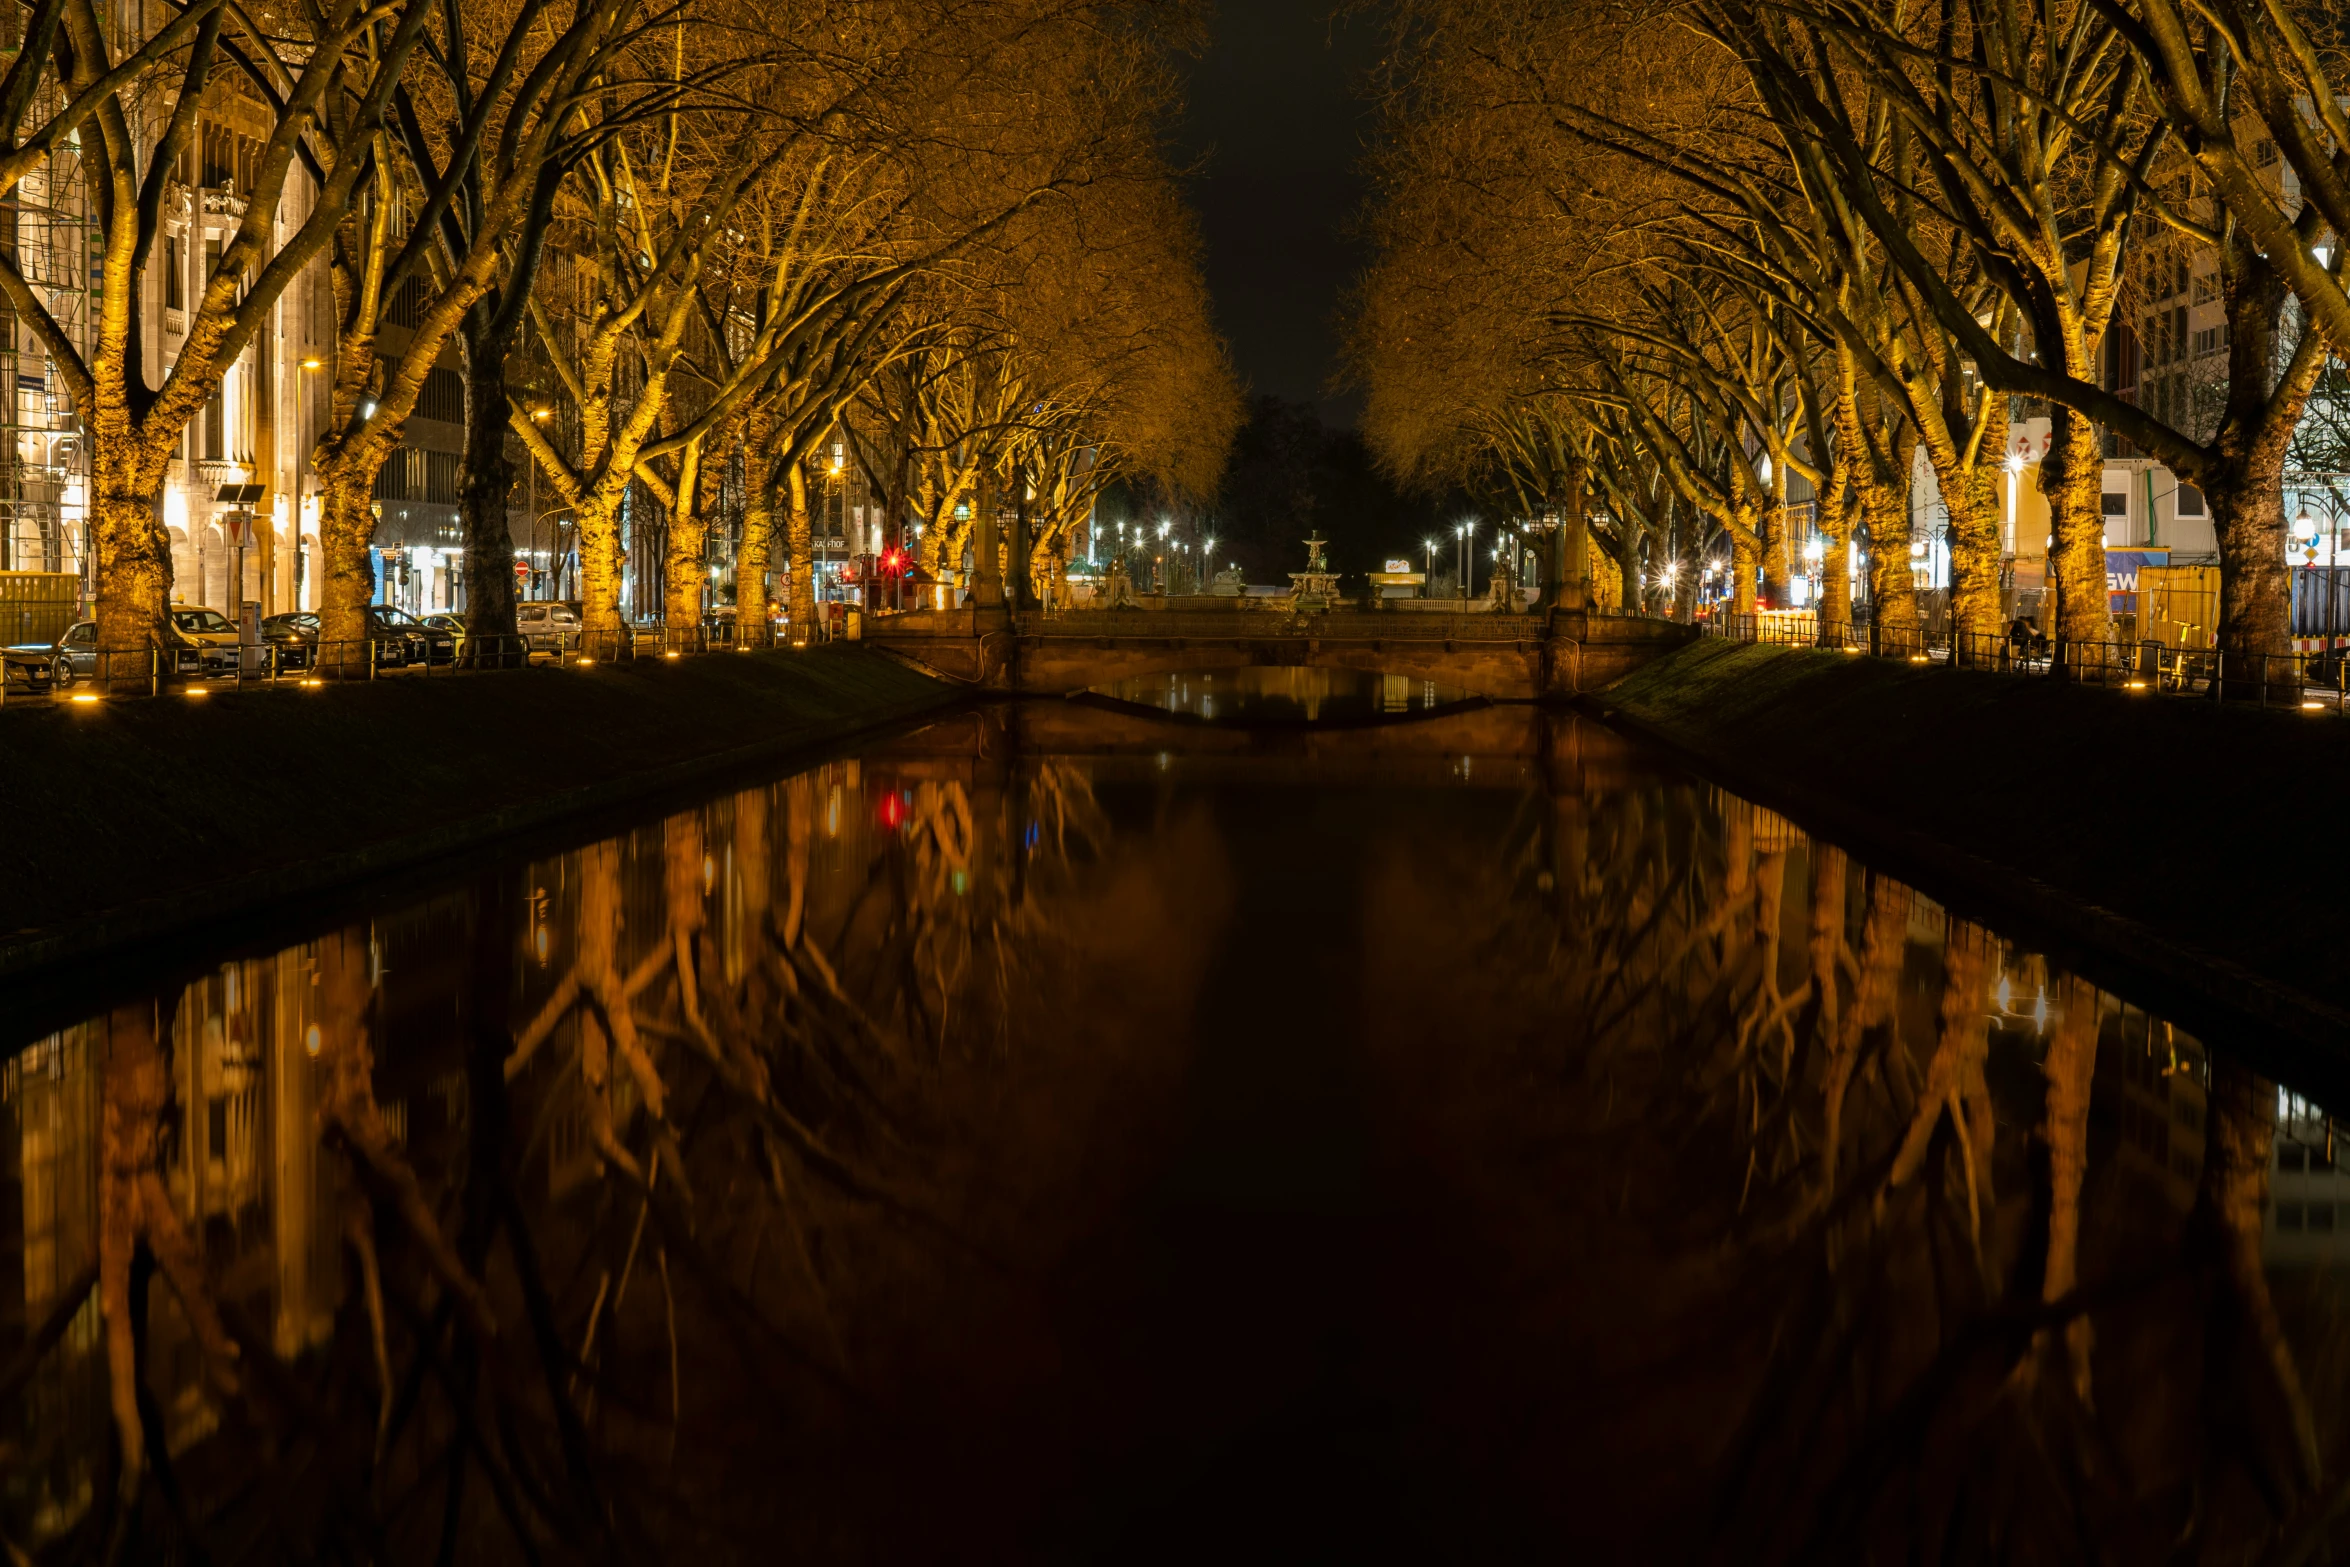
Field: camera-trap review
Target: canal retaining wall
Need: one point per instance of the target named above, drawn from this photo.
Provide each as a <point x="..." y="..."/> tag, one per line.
<point x="2191" y="850"/>
<point x="137" y="819"/>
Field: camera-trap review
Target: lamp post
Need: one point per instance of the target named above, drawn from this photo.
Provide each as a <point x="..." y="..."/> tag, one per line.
<point x="1427" y="565"/>
<point x="1464" y="530"/>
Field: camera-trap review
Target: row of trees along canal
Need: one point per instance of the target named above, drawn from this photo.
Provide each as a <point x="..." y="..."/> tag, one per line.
<point x="1628" y="252"/>
<point x="670" y="242"/>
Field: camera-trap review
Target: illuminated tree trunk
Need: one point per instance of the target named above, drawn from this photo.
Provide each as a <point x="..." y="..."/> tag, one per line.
<point x="1834" y="614"/>
<point x="800" y="539"/>
<point x="1775" y="563"/>
<point x="2072" y="478"/>
<point x="595" y="532"/>
<point x="1972" y="496"/>
<point x="346" y="529"/>
<point x="688" y="547"/>
<point x="1742" y="564"/>
<point x="1893" y="599"/>
<point x="751" y="607"/>
<point x="133" y="577"/>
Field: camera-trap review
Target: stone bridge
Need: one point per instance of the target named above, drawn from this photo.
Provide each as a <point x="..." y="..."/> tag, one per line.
<point x="1505" y="657"/>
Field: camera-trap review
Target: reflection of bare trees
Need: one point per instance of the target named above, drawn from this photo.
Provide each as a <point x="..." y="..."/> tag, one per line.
<point x="1855" y="1160"/>
<point x="761" y="1063"/>
<point x="139" y="1230"/>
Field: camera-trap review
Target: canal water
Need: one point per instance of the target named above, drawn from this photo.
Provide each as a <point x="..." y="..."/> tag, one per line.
<point x="1067" y="1134"/>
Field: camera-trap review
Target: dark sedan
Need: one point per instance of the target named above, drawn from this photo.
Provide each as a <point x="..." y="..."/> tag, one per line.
<point x="292" y="638"/>
<point x="421" y="639"/>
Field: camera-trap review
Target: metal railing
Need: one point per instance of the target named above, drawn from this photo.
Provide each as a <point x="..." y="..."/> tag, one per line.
<point x="2309" y="682"/>
<point x="107" y="674"/>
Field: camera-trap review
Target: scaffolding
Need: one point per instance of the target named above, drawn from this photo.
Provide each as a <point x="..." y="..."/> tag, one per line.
<point x="44" y="224"/>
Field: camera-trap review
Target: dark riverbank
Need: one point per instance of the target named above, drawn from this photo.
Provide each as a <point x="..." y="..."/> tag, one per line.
<point x="2185" y="840"/>
<point x="129" y="820"/>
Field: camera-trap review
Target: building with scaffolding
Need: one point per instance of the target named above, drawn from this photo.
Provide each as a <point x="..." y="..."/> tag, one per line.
<point x="239" y="504"/>
<point x="43" y="485"/>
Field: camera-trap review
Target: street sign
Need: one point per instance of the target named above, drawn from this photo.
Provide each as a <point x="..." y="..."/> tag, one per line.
<point x="238" y="526"/>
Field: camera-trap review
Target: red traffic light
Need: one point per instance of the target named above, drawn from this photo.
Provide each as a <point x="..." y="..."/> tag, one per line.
<point x="893" y="563"/>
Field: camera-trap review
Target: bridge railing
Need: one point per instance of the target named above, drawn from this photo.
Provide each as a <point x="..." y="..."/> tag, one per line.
<point x="1253" y="625"/>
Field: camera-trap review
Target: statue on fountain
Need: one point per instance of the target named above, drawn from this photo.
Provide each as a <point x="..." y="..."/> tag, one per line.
<point x="1314" y="589"/>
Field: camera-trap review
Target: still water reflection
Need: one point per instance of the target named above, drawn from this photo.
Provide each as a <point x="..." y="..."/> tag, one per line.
<point x="1013" y="1144"/>
<point x="1262" y="694"/>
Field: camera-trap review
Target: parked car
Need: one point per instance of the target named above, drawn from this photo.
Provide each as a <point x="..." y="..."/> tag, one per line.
<point x="76" y="653"/>
<point x="445" y="621"/>
<point x="38" y="666"/>
<point x="548" y="627"/>
<point x="424" y="641"/>
<point x="213" y="636"/>
<point x="2326" y="668"/>
<point x="293" y="637"/>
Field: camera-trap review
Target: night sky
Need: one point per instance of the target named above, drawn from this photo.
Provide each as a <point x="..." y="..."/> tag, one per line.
<point x="1278" y="132"/>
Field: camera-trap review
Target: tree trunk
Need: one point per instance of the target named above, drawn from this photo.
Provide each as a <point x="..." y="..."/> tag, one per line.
<point x="133" y="577"/>
<point x="1972" y="497"/>
<point x="1775" y="564"/>
<point x="686" y="566"/>
<point x="800" y="540"/>
<point x="2072" y="477"/>
<point x="750" y="565"/>
<point x="1742" y="564"/>
<point x="346" y="528"/>
<point x="595" y="532"/>
<point x="1834" y="611"/>
<point x="1893" y="598"/>
<point x="2255" y="583"/>
<point x="485" y="480"/>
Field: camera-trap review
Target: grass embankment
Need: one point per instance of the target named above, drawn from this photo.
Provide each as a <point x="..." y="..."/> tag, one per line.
<point x="2195" y="845"/>
<point x="129" y="819"/>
